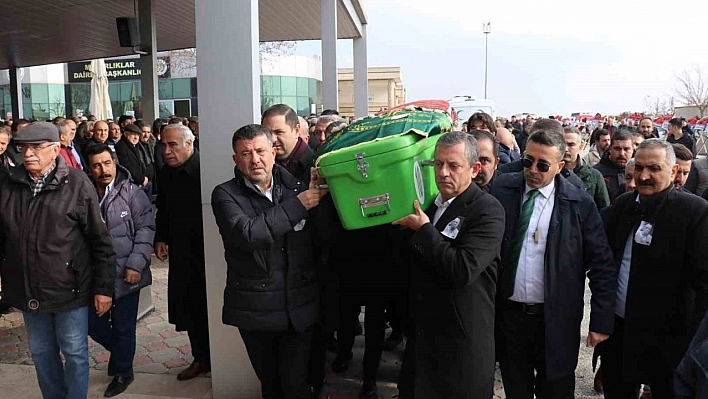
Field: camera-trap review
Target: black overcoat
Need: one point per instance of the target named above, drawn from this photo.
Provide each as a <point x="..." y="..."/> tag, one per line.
<point x="453" y="285"/>
<point x="179" y="225"/>
<point x="576" y="246"/>
<point x="667" y="293"/>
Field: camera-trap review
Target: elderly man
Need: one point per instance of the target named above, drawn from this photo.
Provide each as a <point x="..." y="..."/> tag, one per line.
<point x="453" y="280"/>
<point x="131" y="157"/>
<point x="121" y="201"/>
<point x="67" y="132"/>
<point x="592" y="178"/>
<point x="541" y="284"/>
<point x="629" y="183"/>
<point x="264" y="220"/>
<point x="99" y="136"/>
<point x="657" y="308"/>
<point x="114" y="133"/>
<point x="180" y="233"/>
<point x="292" y="151"/>
<point x="57" y="259"/>
<point x="304" y="130"/>
<point x="612" y="164"/>
<point x="321" y="126"/>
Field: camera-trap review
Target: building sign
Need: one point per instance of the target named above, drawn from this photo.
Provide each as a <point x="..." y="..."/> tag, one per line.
<point x="116" y="69"/>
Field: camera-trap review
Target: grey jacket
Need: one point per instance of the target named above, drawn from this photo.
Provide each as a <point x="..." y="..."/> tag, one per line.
<point x="131" y="223"/>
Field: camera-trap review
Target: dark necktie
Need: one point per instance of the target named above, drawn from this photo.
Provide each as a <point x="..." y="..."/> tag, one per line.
<point x="517" y="241"/>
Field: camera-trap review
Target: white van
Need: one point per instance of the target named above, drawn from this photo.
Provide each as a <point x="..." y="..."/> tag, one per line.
<point x="465" y="106"/>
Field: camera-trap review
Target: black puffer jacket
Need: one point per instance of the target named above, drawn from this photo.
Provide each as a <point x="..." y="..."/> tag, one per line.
<point x="131" y="222"/>
<point x="55" y="251"/>
<point x="271" y="278"/>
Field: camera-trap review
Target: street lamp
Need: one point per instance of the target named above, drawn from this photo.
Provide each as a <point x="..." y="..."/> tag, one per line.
<point x="487" y="29"/>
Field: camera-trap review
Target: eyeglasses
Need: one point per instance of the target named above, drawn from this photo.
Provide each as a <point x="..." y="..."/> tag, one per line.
<point x="34" y="147"/>
<point x="540" y="165"/>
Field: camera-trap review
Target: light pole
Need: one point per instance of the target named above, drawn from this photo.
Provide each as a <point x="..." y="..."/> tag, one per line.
<point x="487" y="29"/>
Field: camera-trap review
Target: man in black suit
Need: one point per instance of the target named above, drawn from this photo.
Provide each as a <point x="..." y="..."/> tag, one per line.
<point x="453" y="281"/>
<point x="553" y="237"/>
<point x="657" y="235"/>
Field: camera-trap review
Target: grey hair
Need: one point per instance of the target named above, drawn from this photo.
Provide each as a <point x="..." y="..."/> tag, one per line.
<point x="630" y="164"/>
<point x="62" y="126"/>
<point x="329" y="119"/>
<point x="573" y="129"/>
<point x="186" y="132"/>
<point x="455" y="138"/>
<point x="548" y="132"/>
<point x="662" y="144"/>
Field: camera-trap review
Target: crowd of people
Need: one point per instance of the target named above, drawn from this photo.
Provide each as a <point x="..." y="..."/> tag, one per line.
<point x="494" y="271"/>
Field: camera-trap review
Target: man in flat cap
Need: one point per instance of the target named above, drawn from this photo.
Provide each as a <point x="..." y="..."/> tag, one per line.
<point x="56" y="259"/>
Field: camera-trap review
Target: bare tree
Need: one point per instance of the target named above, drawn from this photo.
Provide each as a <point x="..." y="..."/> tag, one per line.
<point x="692" y="89"/>
<point x="186" y="59"/>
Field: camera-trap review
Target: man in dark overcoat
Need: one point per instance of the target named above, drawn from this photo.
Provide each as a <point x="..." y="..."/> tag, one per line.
<point x="657" y="234"/>
<point x="553" y="238"/>
<point x="453" y="281"/>
<point x="179" y="234"/>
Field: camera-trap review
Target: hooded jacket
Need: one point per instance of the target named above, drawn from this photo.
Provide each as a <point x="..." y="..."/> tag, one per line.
<point x="55" y="251"/>
<point x="613" y="176"/>
<point x="131" y="223"/>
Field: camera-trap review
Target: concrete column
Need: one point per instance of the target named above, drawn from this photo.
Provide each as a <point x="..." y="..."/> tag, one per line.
<point x="148" y="76"/>
<point x="391" y="93"/>
<point x="15" y="94"/>
<point x="330" y="84"/>
<point x="361" y="75"/>
<point x="229" y="80"/>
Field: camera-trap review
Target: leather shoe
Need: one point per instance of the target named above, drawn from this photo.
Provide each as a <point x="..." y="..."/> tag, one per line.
<point x="118" y="386"/>
<point x="340" y="365"/>
<point x="597" y="382"/>
<point x="368" y="389"/>
<point x="194" y="370"/>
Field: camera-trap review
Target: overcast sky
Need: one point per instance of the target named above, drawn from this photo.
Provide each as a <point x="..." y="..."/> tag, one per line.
<point x="545" y="56"/>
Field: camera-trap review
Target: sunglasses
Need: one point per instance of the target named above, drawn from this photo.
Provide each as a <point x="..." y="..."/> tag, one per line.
<point x="540" y="165"/>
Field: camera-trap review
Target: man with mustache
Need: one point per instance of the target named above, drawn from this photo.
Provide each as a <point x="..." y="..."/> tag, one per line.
<point x="612" y="163"/>
<point x="56" y="259"/>
<point x="265" y="220"/>
<point x="592" y="179"/>
<point x="553" y="238"/>
<point x="180" y="236"/>
<point x="488" y="147"/>
<point x="293" y="153"/>
<point x="121" y="201"/>
<point x="657" y="237"/>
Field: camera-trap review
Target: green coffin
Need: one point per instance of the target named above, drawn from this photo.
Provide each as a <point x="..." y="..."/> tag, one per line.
<point x="375" y="183"/>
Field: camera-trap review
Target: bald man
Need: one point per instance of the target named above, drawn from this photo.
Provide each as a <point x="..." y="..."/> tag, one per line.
<point x="508" y="150"/>
<point x="304" y="129"/>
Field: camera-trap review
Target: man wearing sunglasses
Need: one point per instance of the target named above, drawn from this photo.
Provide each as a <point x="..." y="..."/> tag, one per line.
<point x="553" y="237"/>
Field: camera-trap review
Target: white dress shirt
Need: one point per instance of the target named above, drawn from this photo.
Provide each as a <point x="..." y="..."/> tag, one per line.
<point x="530" y="274"/>
<point x="109" y="188"/>
<point x="623" y="276"/>
<point x="442" y="207"/>
<point x="269" y="192"/>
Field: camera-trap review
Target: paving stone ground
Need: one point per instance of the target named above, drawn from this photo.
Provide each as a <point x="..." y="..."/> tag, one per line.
<point x="162" y="350"/>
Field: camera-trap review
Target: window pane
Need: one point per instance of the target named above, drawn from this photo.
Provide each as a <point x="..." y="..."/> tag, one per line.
<point x="40" y="111"/>
<point x="57" y="109"/>
<point x="125" y="91"/>
<point x="290" y="102"/>
<point x="39" y="93"/>
<point x="113" y="91"/>
<point x="270" y="85"/>
<point x="26" y="92"/>
<point x="303" y="87"/>
<point x="303" y="106"/>
<point x="81" y="93"/>
<point x="164" y="87"/>
<point x="56" y="93"/>
<point x="312" y="91"/>
<point x="181" y="88"/>
<point x="288" y="86"/>
<point x="166" y="109"/>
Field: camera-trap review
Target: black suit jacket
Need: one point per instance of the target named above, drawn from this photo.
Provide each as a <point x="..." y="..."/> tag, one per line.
<point x="453" y="285"/>
<point x="130" y="158"/>
<point x="576" y="245"/>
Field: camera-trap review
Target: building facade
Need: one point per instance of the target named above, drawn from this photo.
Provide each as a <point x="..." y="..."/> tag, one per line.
<point x="65" y="89"/>
<point x="386" y="89"/>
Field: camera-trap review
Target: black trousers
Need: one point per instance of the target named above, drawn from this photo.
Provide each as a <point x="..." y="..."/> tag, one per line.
<point x="199" y="340"/>
<point x="375" y="332"/>
<point x="659" y="376"/>
<point x="281" y="362"/>
<point x="521" y="339"/>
